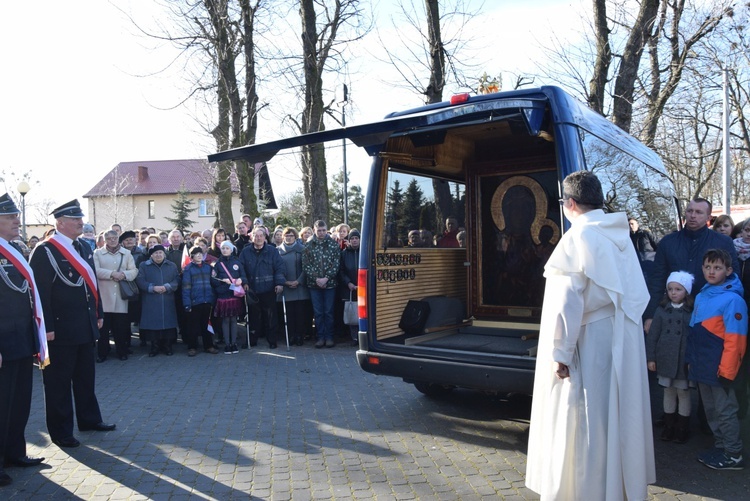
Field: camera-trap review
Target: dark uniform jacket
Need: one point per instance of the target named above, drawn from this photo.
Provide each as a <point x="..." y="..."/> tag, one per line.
<point x="17" y="332"/>
<point x="71" y="312"/>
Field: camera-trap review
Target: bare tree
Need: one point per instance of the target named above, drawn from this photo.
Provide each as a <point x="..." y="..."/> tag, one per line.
<point x="213" y="36"/>
<point x="679" y="37"/>
<point x="434" y="48"/>
<point x="323" y="32"/>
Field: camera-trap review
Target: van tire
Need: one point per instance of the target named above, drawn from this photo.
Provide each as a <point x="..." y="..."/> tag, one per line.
<point x="433" y="390"/>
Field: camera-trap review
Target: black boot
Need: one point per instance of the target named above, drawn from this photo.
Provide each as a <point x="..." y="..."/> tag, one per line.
<point x="682" y="429"/>
<point x="669" y="422"/>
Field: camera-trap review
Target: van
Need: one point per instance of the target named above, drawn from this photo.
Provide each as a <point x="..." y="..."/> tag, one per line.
<point x="462" y="211"/>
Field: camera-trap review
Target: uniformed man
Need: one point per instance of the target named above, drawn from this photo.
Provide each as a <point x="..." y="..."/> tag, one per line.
<point x="19" y="343"/>
<point x="64" y="269"/>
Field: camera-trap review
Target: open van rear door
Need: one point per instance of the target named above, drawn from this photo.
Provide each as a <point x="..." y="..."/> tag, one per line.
<point x="372" y="136"/>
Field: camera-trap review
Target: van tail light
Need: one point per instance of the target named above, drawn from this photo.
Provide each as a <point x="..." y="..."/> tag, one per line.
<point x="362" y="293"/>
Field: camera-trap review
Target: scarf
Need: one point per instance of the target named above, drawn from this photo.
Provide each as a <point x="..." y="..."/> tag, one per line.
<point x="22" y="266"/>
<point x="743" y="249"/>
<point x="79" y="264"/>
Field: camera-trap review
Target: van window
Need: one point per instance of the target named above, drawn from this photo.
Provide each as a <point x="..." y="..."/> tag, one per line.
<point x="631" y="186"/>
<point x="422" y="211"/>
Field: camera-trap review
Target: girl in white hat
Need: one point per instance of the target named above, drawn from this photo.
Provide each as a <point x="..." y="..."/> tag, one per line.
<point x="665" y="353"/>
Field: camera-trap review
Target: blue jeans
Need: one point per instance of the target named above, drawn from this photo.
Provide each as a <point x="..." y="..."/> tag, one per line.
<point x="322" y="303"/>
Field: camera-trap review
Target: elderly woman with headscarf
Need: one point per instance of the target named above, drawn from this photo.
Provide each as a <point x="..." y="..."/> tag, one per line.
<point x="158" y="279"/>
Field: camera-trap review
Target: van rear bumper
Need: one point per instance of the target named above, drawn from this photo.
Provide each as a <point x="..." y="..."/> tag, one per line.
<point x="494" y="378"/>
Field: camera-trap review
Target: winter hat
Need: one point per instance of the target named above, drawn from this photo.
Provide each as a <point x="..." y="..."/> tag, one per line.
<point x="227" y="243"/>
<point x="354" y="233"/>
<point x="683" y="278"/>
<point x="156" y="248"/>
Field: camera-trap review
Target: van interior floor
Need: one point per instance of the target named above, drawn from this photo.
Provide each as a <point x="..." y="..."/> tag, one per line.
<point x="480" y="339"/>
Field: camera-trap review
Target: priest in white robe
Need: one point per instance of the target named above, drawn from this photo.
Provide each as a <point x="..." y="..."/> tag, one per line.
<point x="590" y="434"/>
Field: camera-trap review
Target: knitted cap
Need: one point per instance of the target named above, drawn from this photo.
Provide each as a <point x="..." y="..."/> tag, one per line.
<point x="683" y="278"/>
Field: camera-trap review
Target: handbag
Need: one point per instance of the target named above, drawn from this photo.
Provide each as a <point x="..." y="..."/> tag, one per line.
<point x="414" y="317"/>
<point x="351" y="313"/>
<point x="128" y="290"/>
<point x="238" y="290"/>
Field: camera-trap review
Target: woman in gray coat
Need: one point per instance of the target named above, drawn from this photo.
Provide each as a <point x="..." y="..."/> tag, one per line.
<point x="158" y="279"/>
<point x="295" y="295"/>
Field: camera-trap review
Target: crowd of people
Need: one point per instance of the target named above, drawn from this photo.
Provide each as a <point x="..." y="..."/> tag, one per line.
<point x="73" y="289"/>
<point x="689" y="293"/>
<point x="200" y="285"/>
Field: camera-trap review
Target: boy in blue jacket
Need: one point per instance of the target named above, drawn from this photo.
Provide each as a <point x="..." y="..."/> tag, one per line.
<point x="198" y="298"/>
<point x="716" y="345"/>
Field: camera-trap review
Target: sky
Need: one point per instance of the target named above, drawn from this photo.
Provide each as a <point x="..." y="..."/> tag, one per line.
<point x="80" y="91"/>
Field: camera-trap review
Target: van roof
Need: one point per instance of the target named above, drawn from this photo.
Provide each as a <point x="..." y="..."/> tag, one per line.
<point x="531" y="103"/>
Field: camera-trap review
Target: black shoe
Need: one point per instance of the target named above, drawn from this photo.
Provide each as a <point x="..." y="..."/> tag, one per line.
<point x="97" y="427"/>
<point x="100" y="359"/>
<point x="67" y="442"/>
<point x="169" y="352"/>
<point x="130" y="352"/>
<point x="320" y="343"/>
<point x="272" y="346"/>
<point x="4" y="479"/>
<point x="153" y="353"/>
<point x="23" y="462"/>
<point x="123" y="357"/>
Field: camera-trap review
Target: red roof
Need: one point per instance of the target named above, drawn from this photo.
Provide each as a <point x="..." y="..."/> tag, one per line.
<point x="159" y="177"/>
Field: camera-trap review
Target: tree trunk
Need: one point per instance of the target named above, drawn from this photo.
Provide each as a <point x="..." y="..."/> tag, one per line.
<point x="622" y="106"/>
<point x="434" y="90"/>
<point x="434" y="94"/>
<point x="598" y="80"/>
<point x="313" y="156"/>
<point x="246" y="172"/>
<point x="227" y="105"/>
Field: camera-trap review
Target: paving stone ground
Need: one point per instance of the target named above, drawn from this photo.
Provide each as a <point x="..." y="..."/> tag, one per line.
<point x="305" y="425"/>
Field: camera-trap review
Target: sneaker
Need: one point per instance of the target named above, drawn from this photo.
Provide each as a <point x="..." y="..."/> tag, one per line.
<point x="235" y="349"/>
<point x="724" y="461"/>
<point x="227" y="349"/>
<point x="330" y="343"/>
<point x="320" y="343"/>
<point x="710" y="454"/>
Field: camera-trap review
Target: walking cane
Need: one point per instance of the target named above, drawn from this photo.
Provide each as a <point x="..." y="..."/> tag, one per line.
<point x="286" y="328"/>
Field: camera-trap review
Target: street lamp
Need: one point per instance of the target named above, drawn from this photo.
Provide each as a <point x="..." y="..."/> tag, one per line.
<point x="23" y="189"/>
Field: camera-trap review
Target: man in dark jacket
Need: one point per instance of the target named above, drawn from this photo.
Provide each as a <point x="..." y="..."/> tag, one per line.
<point x="18" y="342"/>
<point x="265" y="276"/>
<point x="645" y="246"/>
<point x="683" y="251"/>
<point x="64" y="271"/>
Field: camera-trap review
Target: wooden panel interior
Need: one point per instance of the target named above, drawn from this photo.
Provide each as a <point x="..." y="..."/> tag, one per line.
<point x="440" y="272"/>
